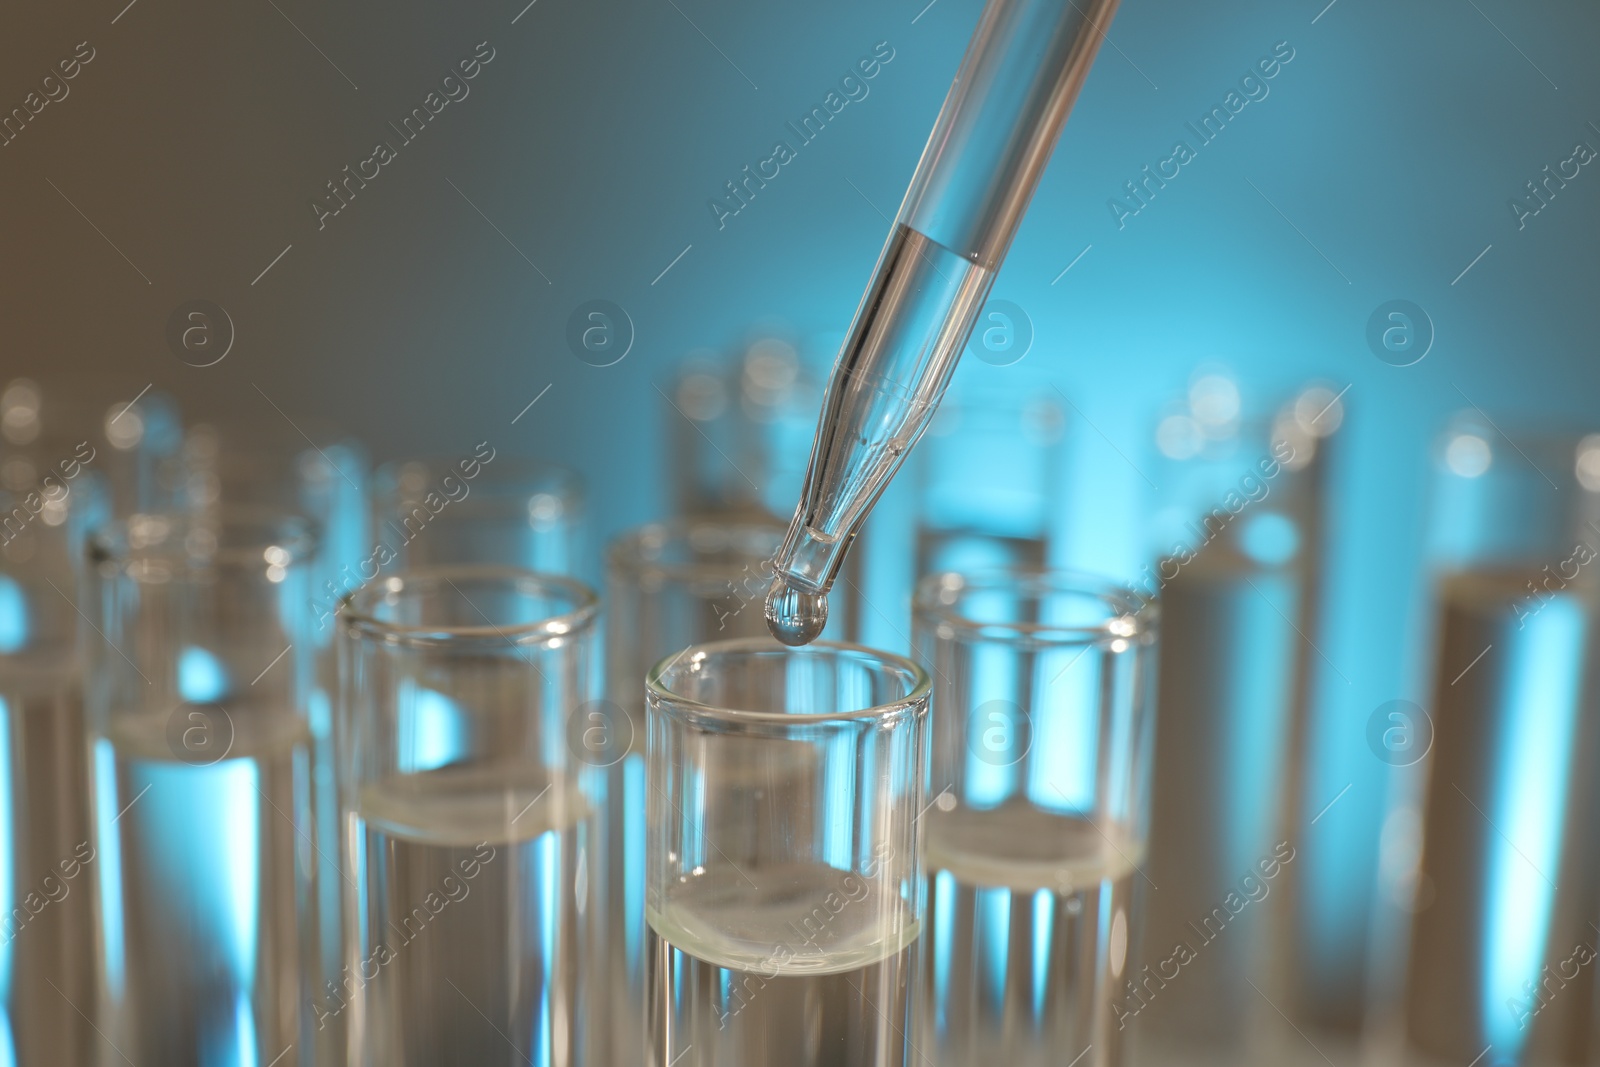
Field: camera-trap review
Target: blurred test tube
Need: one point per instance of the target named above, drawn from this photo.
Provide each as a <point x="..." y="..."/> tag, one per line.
<point x="1493" y="848"/>
<point x="206" y="852"/>
<point x="981" y="492"/>
<point x="51" y="496"/>
<point x="481" y="507"/>
<point x="130" y="430"/>
<point x="739" y="426"/>
<point x="1236" y="535"/>
<point x="309" y="468"/>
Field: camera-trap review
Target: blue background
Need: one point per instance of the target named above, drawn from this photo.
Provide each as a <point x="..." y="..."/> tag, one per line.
<point x="1379" y="167"/>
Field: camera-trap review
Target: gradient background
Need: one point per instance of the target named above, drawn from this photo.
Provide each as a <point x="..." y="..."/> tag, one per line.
<point x="1380" y="167"/>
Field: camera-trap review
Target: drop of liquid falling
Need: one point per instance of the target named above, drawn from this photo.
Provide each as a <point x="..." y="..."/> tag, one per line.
<point x="795" y="616"/>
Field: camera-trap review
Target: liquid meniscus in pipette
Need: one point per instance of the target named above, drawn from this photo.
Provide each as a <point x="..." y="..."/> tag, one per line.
<point x="885" y="387"/>
<point x="1011" y="96"/>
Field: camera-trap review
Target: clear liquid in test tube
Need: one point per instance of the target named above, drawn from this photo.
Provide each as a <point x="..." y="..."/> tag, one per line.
<point x="783" y="885"/>
<point x="470" y="821"/>
<point x="205" y="847"/>
<point x="1034" y="834"/>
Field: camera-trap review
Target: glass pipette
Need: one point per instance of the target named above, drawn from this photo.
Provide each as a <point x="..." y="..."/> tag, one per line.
<point x="1011" y="95"/>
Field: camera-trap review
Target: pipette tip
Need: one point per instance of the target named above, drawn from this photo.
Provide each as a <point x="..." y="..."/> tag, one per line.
<point x="794" y="616"/>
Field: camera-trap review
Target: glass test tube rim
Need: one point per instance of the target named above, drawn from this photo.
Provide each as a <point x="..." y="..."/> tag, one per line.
<point x="277" y="461"/>
<point x="267" y="454"/>
<point x="357" y="608"/>
<point x="702" y="715"/>
<point x="62" y="405"/>
<point x="266" y="450"/>
<point x="282" y="539"/>
<point x="1263" y="415"/>
<point x="1533" y="439"/>
<point x="1130" y="617"/>
<point x="627" y="551"/>
<point x="508" y="481"/>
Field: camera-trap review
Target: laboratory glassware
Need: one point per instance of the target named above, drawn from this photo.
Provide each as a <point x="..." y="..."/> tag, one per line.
<point x="1016" y="84"/>
<point x="668" y="585"/>
<point x="979" y="494"/>
<point x="469" y="819"/>
<point x="779" y="386"/>
<point x="1318" y="953"/>
<point x="739" y="426"/>
<point x="1034" y="838"/>
<point x="205" y="847"/>
<point x="50" y="498"/>
<point x="312" y="468"/>
<point x="678" y="583"/>
<point x="481" y="507"/>
<point x="783" y="883"/>
<point x="128" y="431"/>
<point x="309" y="467"/>
<point x="1237" y="544"/>
<point x="987" y="477"/>
<point x="1501" y="757"/>
<point x="700" y="415"/>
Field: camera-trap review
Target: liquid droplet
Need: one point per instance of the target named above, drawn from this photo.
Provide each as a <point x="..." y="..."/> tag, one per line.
<point x="795" y="616"/>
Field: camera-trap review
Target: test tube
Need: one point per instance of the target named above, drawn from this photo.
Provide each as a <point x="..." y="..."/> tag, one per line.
<point x="128" y="432"/>
<point x="470" y="819"/>
<point x="667" y="585"/>
<point x="738" y="428"/>
<point x="685" y="581"/>
<point x="481" y="507"/>
<point x="988" y="473"/>
<point x="1035" y="836"/>
<point x="784" y="893"/>
<point x="311" y="468"/>
<point x="49" y="499"/>
<point x="206" y="851"/>
<point x="1499" y="759"/>
<point x="1010" y="98"/>
<point x="980" y="494"/>
<point x="1236" y="534"/>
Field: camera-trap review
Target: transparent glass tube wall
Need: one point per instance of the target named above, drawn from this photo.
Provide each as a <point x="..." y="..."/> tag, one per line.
<point x="205" y="863"/>
<point x="668" y="586"/>
<point x="783" y="882"/>
<point x="470" y="820"/>
<point x="739" y="427"/>
<point x="1034" y="840"/>
<point x="305" y="468"/>
<point x="49" y="499"/>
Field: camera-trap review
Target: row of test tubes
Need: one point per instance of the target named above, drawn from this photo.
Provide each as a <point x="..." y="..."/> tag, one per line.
<point x="394" y="809"/>
<point x="309" y="762"/>
<point x="1413" y="884"/>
